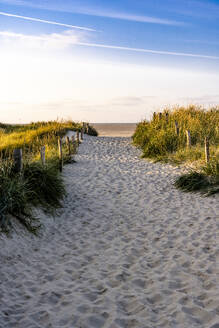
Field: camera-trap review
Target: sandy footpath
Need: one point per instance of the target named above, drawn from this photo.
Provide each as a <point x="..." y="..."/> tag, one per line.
<point x="127" y="250"/>
<point x="115" y="129"/>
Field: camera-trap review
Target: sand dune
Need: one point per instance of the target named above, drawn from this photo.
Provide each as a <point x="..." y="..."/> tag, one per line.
<point x="127" y="250"/>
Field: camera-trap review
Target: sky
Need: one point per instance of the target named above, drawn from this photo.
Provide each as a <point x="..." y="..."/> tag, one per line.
<point x="106" y="61"/>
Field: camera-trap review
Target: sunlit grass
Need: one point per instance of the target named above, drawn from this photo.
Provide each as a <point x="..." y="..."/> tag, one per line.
<point x="160" y="141"/>
<point x="37" y="184"/>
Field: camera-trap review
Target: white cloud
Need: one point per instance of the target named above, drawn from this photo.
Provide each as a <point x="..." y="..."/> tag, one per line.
<point x="44" y="41"/>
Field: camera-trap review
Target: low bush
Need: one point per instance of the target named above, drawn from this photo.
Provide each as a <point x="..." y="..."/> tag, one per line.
<point x="92" y="131"/>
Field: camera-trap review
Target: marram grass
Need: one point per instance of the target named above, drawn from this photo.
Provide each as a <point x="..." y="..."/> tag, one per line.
<point x="159" y="141"/>
<point x="36" y="185"/>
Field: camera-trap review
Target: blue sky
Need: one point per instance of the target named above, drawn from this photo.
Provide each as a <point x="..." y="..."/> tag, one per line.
<point x="114" y="61"/>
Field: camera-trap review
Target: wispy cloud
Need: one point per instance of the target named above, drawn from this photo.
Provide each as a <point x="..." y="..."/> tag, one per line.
<point x="129" y="17"/>
<point x="158" y="52"/>
<point x="68" y="38"/>
<point x="45" y="21"/>
<point x="98" y="12"/>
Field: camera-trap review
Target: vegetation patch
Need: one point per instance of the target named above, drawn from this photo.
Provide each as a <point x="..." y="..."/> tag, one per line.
<point x="38" y="184"/>
<point x="92" y="131"/>
<point x="177" y="136"/>
<point x="196" y="181"/>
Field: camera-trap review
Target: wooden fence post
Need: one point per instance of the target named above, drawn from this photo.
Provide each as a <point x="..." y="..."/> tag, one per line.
<point x="82" y="133"/>
<point x="87" y="128"/>
<point x="18" y="163"/>
<point x="167" y="117"/>
<point x="77" y="137"/>
<point x="154" y="116"/>
<point x="207" y="150"/>
<point x="73" y="144"/>
<point x="43" y="155"/>
<point x="84" y="127"/>
<point x="68" y="145"/>
<point x="177" y="128"/>
<point x="188" y="135"/>
<point x="60" y="154"/>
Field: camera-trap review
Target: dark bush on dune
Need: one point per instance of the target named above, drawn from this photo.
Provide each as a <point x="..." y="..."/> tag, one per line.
<point x="92" y="131"/>
<point x="197" y="181"/>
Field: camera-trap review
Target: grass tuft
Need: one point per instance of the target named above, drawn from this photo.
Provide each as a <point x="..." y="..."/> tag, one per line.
<point x="14" y="201"/>
<point x="206" y="181"/>
<point x="193" y="181"/>
<point x="46" y="185"/>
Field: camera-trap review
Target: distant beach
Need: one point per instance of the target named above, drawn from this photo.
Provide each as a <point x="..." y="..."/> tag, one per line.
<point x="115" y="129"/>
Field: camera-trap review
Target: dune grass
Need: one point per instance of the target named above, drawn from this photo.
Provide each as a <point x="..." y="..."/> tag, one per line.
<point x="37" y="184"/>
<point x="160" y="141"/>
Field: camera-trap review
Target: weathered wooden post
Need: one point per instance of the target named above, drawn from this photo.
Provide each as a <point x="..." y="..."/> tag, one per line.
<point x="73" y="144"/>
<point x="68" y="145"/>
<point x="77" y="137"/>
<point x="154" y="116"/>
<point x="60" y="154"/>
<point x="207" y="150"/>
<point x="177" y="128"/>
<point x="86" y="128"/>
<point x="43" y="155"/>
<point x="18" y="162"/>
<point x="82" y="133"/>
<point x="188" y="135"/>
<point x="167" y="117"/>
